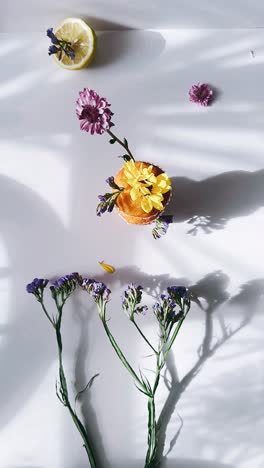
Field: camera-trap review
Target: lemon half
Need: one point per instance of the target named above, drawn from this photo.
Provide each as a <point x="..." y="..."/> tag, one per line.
<point x="83" y="42"/>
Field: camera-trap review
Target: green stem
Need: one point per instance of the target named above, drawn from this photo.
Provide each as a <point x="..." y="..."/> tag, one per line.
<point x="152" y="434"/>
<point x="46" y="313"/>
<point x="121" y="143"/>
<point x="65" y="398"/>
<point x="175" y="333"/>
<point x="143" y="336"/>
<point x="121" y="355"/>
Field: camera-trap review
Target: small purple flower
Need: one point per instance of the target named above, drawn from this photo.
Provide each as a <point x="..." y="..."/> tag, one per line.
<point x="131" y="299"/>
<point x="60" y="46"/>
<point x="161" y="226"/>
<point x="165" y="311"/>
<point x="97" y="290"/>
<point x="111" y="182"/>
<point x="53" y="50"/>
<point x="37" y="286"/>
<point x="177" y="291"/>
<point x="201" y="94"/>
<point x="108" y="201"/>
<point x="66" y="284"/>
<point x="71" y="54"/>
<point x="52" y="36"/>
<point x="93" y="112"/>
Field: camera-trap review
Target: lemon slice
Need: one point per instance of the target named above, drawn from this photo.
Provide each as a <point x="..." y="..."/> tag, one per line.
<point x="82" y="39"/>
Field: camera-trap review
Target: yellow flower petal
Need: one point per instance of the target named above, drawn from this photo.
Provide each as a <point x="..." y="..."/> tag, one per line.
<point x="106" y="267"/>
<point x="146" y="204"/>
<point x="135" y="193"/>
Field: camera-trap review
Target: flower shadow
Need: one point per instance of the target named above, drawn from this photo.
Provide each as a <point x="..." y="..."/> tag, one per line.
<point x="209" y="204"/>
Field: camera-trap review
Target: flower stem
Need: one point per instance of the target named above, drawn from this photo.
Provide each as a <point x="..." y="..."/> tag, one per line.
<point x="175" y="333"/>
<point x="121" y="356"/>
<point x="65" y="398"/>
<point x="143" y="336"/>
<point x="46" y="312"/>
<point x="152" y="434"/>
<point x="121" y="143"/>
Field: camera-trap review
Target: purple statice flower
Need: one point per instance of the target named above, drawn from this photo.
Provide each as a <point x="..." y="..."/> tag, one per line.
<point x="93" y="112"/>
<point x="53" y="50"/>
<point x="131" y="299"/>
<point x="177" y="291"/>
<point x="52" y="36"/>
<point x="201" y="94"/>
<point x="60" y="46"/>
<point x="111" y="182"/>
<point x="66" y="284"/>
<point x="108" y="200"/>
<point x="99" y="291"/>
<point x="161" y="226"/>
<point x="165" y="311"/>
<point x="37" y="286"/>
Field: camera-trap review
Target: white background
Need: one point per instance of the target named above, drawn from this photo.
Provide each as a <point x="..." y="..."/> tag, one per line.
<point x="51" y="174"/>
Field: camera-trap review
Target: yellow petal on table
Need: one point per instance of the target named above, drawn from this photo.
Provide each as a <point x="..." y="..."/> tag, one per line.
<point x="107" y="268"/>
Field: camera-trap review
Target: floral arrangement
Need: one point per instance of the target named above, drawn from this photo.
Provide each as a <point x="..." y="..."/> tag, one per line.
<point x="170" y="310"/>
<point x="140" y="191"/>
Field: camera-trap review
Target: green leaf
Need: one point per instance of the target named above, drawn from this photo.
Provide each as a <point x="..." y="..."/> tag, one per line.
<point x="142" y="391"/>
<point x="125" y="142"/>
<point x="112" y="141"/>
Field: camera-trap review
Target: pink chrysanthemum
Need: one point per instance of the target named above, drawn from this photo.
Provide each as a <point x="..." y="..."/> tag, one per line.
<point x="201" y="94"/>
<point x="93" y="112"/>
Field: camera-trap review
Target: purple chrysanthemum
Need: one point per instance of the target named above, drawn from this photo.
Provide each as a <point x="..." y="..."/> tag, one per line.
<point x="201" y="94"/>
<point x="93" y="112"/>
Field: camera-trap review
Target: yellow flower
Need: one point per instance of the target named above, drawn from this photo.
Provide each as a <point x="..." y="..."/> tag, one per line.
<point x="134" y="174"/>
<point x="145" y="185"/>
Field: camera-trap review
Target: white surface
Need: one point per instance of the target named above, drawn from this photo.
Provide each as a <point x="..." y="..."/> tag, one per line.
<point x="36" y="15"/>
<point x="51" y="174"/>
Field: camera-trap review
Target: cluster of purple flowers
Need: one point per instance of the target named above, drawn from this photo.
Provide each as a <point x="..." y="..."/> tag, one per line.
<point x="161" y="226"/>
<point x="165" y="309"/>
<point x="99" y="291"/>
<point x="37" y="286"/>
<point x="131" y="299"/>
<point x="108" y="200"/>
<point x="66" y="284"/>
<point x="177" y="292"/>
<point x="59" y="46"/>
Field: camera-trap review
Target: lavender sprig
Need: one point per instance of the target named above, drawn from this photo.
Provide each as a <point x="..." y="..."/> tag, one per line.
<point x="60" y="46"/>
<point x="108" y="200"/>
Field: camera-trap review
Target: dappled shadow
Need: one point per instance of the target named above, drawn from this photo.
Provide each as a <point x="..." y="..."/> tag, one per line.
<point x="208" y="205"/>
<point x="213" y="290"/>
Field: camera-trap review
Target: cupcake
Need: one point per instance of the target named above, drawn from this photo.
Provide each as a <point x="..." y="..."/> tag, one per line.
<point x="146" y="192"/>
